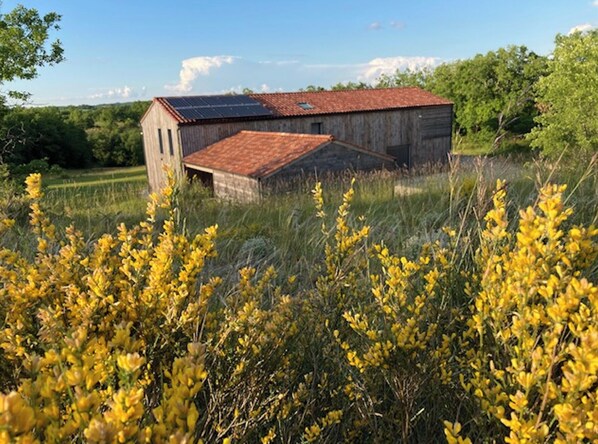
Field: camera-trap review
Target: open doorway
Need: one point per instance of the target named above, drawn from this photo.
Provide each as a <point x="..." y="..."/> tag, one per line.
<point x="402" y="155"/>
<point x="205" y="178"/>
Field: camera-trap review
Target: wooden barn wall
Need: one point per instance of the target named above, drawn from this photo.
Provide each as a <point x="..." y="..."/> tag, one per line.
<point x="426" y="130"/>
<point x="436" y="149"/>
<point x="331" y="158"/>
<point x="233" y="187"/>
<point x="372" y="130"/>
<point x="156" y="118"/>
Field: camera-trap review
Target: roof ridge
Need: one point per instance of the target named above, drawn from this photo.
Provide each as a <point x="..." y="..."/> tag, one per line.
<point x="282" y="133"/>
<point x="333" y="91"/>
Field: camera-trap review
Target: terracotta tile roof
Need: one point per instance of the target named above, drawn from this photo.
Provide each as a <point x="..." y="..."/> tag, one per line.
<point x="260" y="153"/>
<point x="326" y="102"/>
<point x="333" y="102"/>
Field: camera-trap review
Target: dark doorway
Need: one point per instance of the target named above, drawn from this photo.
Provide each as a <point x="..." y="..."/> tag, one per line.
<point x="206" y="179"/>
<point x="402" y="155"/>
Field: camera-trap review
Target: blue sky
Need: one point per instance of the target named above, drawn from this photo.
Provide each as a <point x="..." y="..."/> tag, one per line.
<point x="136" y="49"/>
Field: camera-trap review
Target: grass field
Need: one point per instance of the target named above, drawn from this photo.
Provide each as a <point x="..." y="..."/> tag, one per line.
<point x="95" y="177"/>
<point x="97" y="198"/>
<point x="402" y="209"/>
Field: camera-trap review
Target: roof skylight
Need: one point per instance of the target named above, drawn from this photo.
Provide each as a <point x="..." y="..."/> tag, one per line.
<point x="305" y="105"/>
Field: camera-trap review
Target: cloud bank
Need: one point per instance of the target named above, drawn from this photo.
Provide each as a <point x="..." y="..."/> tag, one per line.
<point x="125" y="92"/>
<point x="195" y="67"/>
<point x="584" y="27"/>
<point x="225" y="73"/>
<point x="388" y="65"/>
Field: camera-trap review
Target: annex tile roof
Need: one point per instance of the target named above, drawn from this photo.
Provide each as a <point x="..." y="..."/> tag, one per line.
<point x="260" y="154"/>
<point x="334" y="102"/>
<point x="195" y="109"/>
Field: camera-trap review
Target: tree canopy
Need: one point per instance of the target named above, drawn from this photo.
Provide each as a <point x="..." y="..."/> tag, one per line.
<point x="568" y="98"/>
<point x="25" y="45"/>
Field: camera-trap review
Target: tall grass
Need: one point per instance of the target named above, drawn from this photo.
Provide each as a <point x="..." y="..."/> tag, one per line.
<point x="403" y="208"/>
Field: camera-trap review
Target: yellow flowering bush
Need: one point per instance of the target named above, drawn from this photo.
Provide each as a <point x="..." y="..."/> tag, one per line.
<point x="130" y="337"/>
<point x="388" y="330"/>
<point x="111" y="341"/>
<point x="532" y="334"/>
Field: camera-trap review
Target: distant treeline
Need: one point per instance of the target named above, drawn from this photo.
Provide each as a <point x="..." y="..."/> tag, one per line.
<point x="516" y="96"/>
<point x="73" y="136"/>
<point x="511" y="94"/>
<point x="493" y="93"/>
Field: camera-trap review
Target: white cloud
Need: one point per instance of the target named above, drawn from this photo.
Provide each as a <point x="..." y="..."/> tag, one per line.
<point x="584" y="27"/>
<point x="195" y="67"/>
<point x="388" y="65"/>
<point x="227" y="74"/>
<point x="375" y="26"/>
<point x="400" y="25"/>
<point x="126" y="92"/>
<point x="595" y="3"/>
<point x="279" y="62"/>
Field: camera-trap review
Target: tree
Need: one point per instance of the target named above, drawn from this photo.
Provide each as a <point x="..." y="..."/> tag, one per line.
<point x="340" y="86"/>
<point x="568" y="98"/>
<point x="493" y="92"/>
<point x="409" y="77"/>
<point x="115" y="137"/>
<point x="43" y="133"/>
<point x="24" y="48"/>
<point x="312" y="88"/>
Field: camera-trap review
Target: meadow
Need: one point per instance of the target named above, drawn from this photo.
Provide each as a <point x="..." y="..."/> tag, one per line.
<point x="455" y="304"/>
<point x="403" y="209"/>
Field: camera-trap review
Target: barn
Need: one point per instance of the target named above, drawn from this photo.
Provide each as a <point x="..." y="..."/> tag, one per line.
<point x="248" y="164"/>
<point x="410" y="125"/>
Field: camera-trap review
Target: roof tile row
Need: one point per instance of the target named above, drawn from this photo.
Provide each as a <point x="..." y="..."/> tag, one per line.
<point x="332" y="102"/>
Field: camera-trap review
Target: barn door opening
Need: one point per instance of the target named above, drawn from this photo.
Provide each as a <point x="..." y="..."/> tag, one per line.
<point x="402" y="155"/>
<point x="205" y="178"/>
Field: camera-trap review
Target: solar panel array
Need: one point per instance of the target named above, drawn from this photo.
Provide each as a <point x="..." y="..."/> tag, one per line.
<point x="217" y="107"/>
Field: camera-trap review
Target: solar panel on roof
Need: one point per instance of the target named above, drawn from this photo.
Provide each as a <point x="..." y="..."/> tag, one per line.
<point x="228" y="112"/>
<point x="217" y="107"/>
<point x="201" y="113"/>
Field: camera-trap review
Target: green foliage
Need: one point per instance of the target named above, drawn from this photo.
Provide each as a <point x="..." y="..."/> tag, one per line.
<point x="24" y="48"/>
<point x="75" y="136"/>
<point x="113" y="132"/>
<point x="350" y="86"/>
<point x="313" y="88"/>
<point x="43" y="133"/>
<point x="409" y="77"/>
<point x="24" y="35"/>
<point x="493" y="93"/>
<point x="568" y="98"/>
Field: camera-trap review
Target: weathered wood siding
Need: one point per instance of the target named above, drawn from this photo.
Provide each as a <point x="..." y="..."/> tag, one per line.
<point x="331" y="158"/>
<point x="427" y="131"/>
<point x="234" y="187"/>
<point x="157" y="118"/>
<point x="435" y="130"/>
<point x="372" y="130"/>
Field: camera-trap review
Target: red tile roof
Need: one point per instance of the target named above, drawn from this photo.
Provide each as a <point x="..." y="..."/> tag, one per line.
<point x="333" y="102"/>
<point x="329" y="102"/>
<point x="259" y="153"/>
